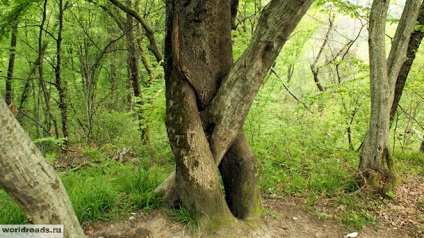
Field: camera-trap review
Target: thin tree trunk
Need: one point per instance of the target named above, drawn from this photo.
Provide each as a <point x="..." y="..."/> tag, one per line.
<point x="134" y="72"/>
<point x="148" y="31"/>
<point x="29" y="79"/>
<point x="313" y="65"/>
<point x="60" y="84"/>
<point x="28" y="178"/>
<point x="11" y="67"/>
<point x="48" y="115"/>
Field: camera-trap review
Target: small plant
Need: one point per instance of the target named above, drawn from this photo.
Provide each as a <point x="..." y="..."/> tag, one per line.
<point x="188" y="217"/>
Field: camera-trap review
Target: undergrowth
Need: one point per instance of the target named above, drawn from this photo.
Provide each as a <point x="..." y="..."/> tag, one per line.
<point x="101" y="190"/>
<point x="187" y="217"/>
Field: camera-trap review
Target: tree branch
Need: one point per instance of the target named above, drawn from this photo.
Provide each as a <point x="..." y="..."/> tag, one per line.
<point x="289" y="91"/>
<point x="229" y="108"/>
<point x="148" y="31"/>
<point x="397" y="55"/>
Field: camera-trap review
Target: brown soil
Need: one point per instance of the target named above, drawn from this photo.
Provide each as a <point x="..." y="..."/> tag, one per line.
<point x="286" y="217"/>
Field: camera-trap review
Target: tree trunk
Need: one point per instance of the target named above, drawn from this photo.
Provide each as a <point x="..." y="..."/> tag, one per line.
<point x="28" y="178"/>
<point x="60" y="84"/>
<point x="134" y="72"/>
<point x="376" y="160"/>
<point x="46" y="94"/>
<point x="208" y="99"/>
<point x="197" y="55"/>
<point x="413" y="45"/>
<point x="240" y="170"/>
<point x="11" y="67"/>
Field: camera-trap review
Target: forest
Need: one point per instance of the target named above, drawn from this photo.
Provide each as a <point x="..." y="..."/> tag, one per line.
<point x="221" y="118"/>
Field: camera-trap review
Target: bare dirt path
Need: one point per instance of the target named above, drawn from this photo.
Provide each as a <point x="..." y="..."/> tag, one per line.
<point x="286" y="217"/>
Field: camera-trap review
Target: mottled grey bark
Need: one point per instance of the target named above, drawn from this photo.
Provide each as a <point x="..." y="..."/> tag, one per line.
<point x="375" y="159"/>
<point x="208" y="98"/>
<point x="413" y="45"/>
<point x="30" y="180"/>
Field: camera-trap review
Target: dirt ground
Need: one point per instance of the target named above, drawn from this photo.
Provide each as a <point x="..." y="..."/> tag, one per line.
<point x="286" y="217"/>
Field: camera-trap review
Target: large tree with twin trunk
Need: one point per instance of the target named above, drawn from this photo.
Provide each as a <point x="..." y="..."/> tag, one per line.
<point x="208" y="98"/>
<point x="376" y="160"/>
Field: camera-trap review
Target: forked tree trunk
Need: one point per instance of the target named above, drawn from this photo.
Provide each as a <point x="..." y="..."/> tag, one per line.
<point x="197" y="56"/>
<point x="29" y="179"/>
<point x="414" y="44"/>
<point x="208" y="98"/>
<point x="376" y="160"/>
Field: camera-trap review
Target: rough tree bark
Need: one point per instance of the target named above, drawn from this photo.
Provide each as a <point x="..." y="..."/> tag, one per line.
<point x="413" y="45"/>
<point x="376" y="161"/>
<point x="29" y="179"/>
<point x="208" y="98"/>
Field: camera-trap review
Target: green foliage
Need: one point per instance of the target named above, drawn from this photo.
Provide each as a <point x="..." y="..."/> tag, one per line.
<point x="10" y="212"/>
<point x="12" y="11"/>
<point x="107" y="190"/>
<point x="305" y="153"/>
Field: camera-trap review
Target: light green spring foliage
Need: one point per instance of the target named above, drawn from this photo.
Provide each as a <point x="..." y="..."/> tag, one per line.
<point x="305" y="153"/>
<point x="11" y="11"/>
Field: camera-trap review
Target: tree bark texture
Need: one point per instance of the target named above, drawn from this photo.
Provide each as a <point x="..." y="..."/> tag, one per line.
<point x="29" y="179"/>
<point x="208" y="98"/>
<point x="375" y="159"/>
<point x="413" y="45"/>
<point x="230" y="106"/>
<point x="197" y="55"/>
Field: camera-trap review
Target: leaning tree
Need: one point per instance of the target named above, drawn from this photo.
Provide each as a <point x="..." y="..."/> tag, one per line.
<point x="30" y="180"/>
<point x="208" y="97"/>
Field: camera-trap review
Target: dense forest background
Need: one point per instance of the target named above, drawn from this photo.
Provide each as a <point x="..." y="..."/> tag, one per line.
<point x="86" y="82"/>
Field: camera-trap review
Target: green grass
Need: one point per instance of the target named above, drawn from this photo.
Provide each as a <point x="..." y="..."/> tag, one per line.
<point x="106" y="189"/>
<point x="100" y="192"/>
<point x="187" y="217"/>
<point x="10" y="212"/>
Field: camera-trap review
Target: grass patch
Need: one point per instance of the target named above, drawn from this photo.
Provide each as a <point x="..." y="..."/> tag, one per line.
<point x="101" y="190"/>
<point x="187" y="217"/>
<point x="10" y="212"/>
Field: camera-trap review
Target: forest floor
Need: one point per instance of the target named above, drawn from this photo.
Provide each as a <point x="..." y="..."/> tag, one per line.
<point x="289" y="217"/>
